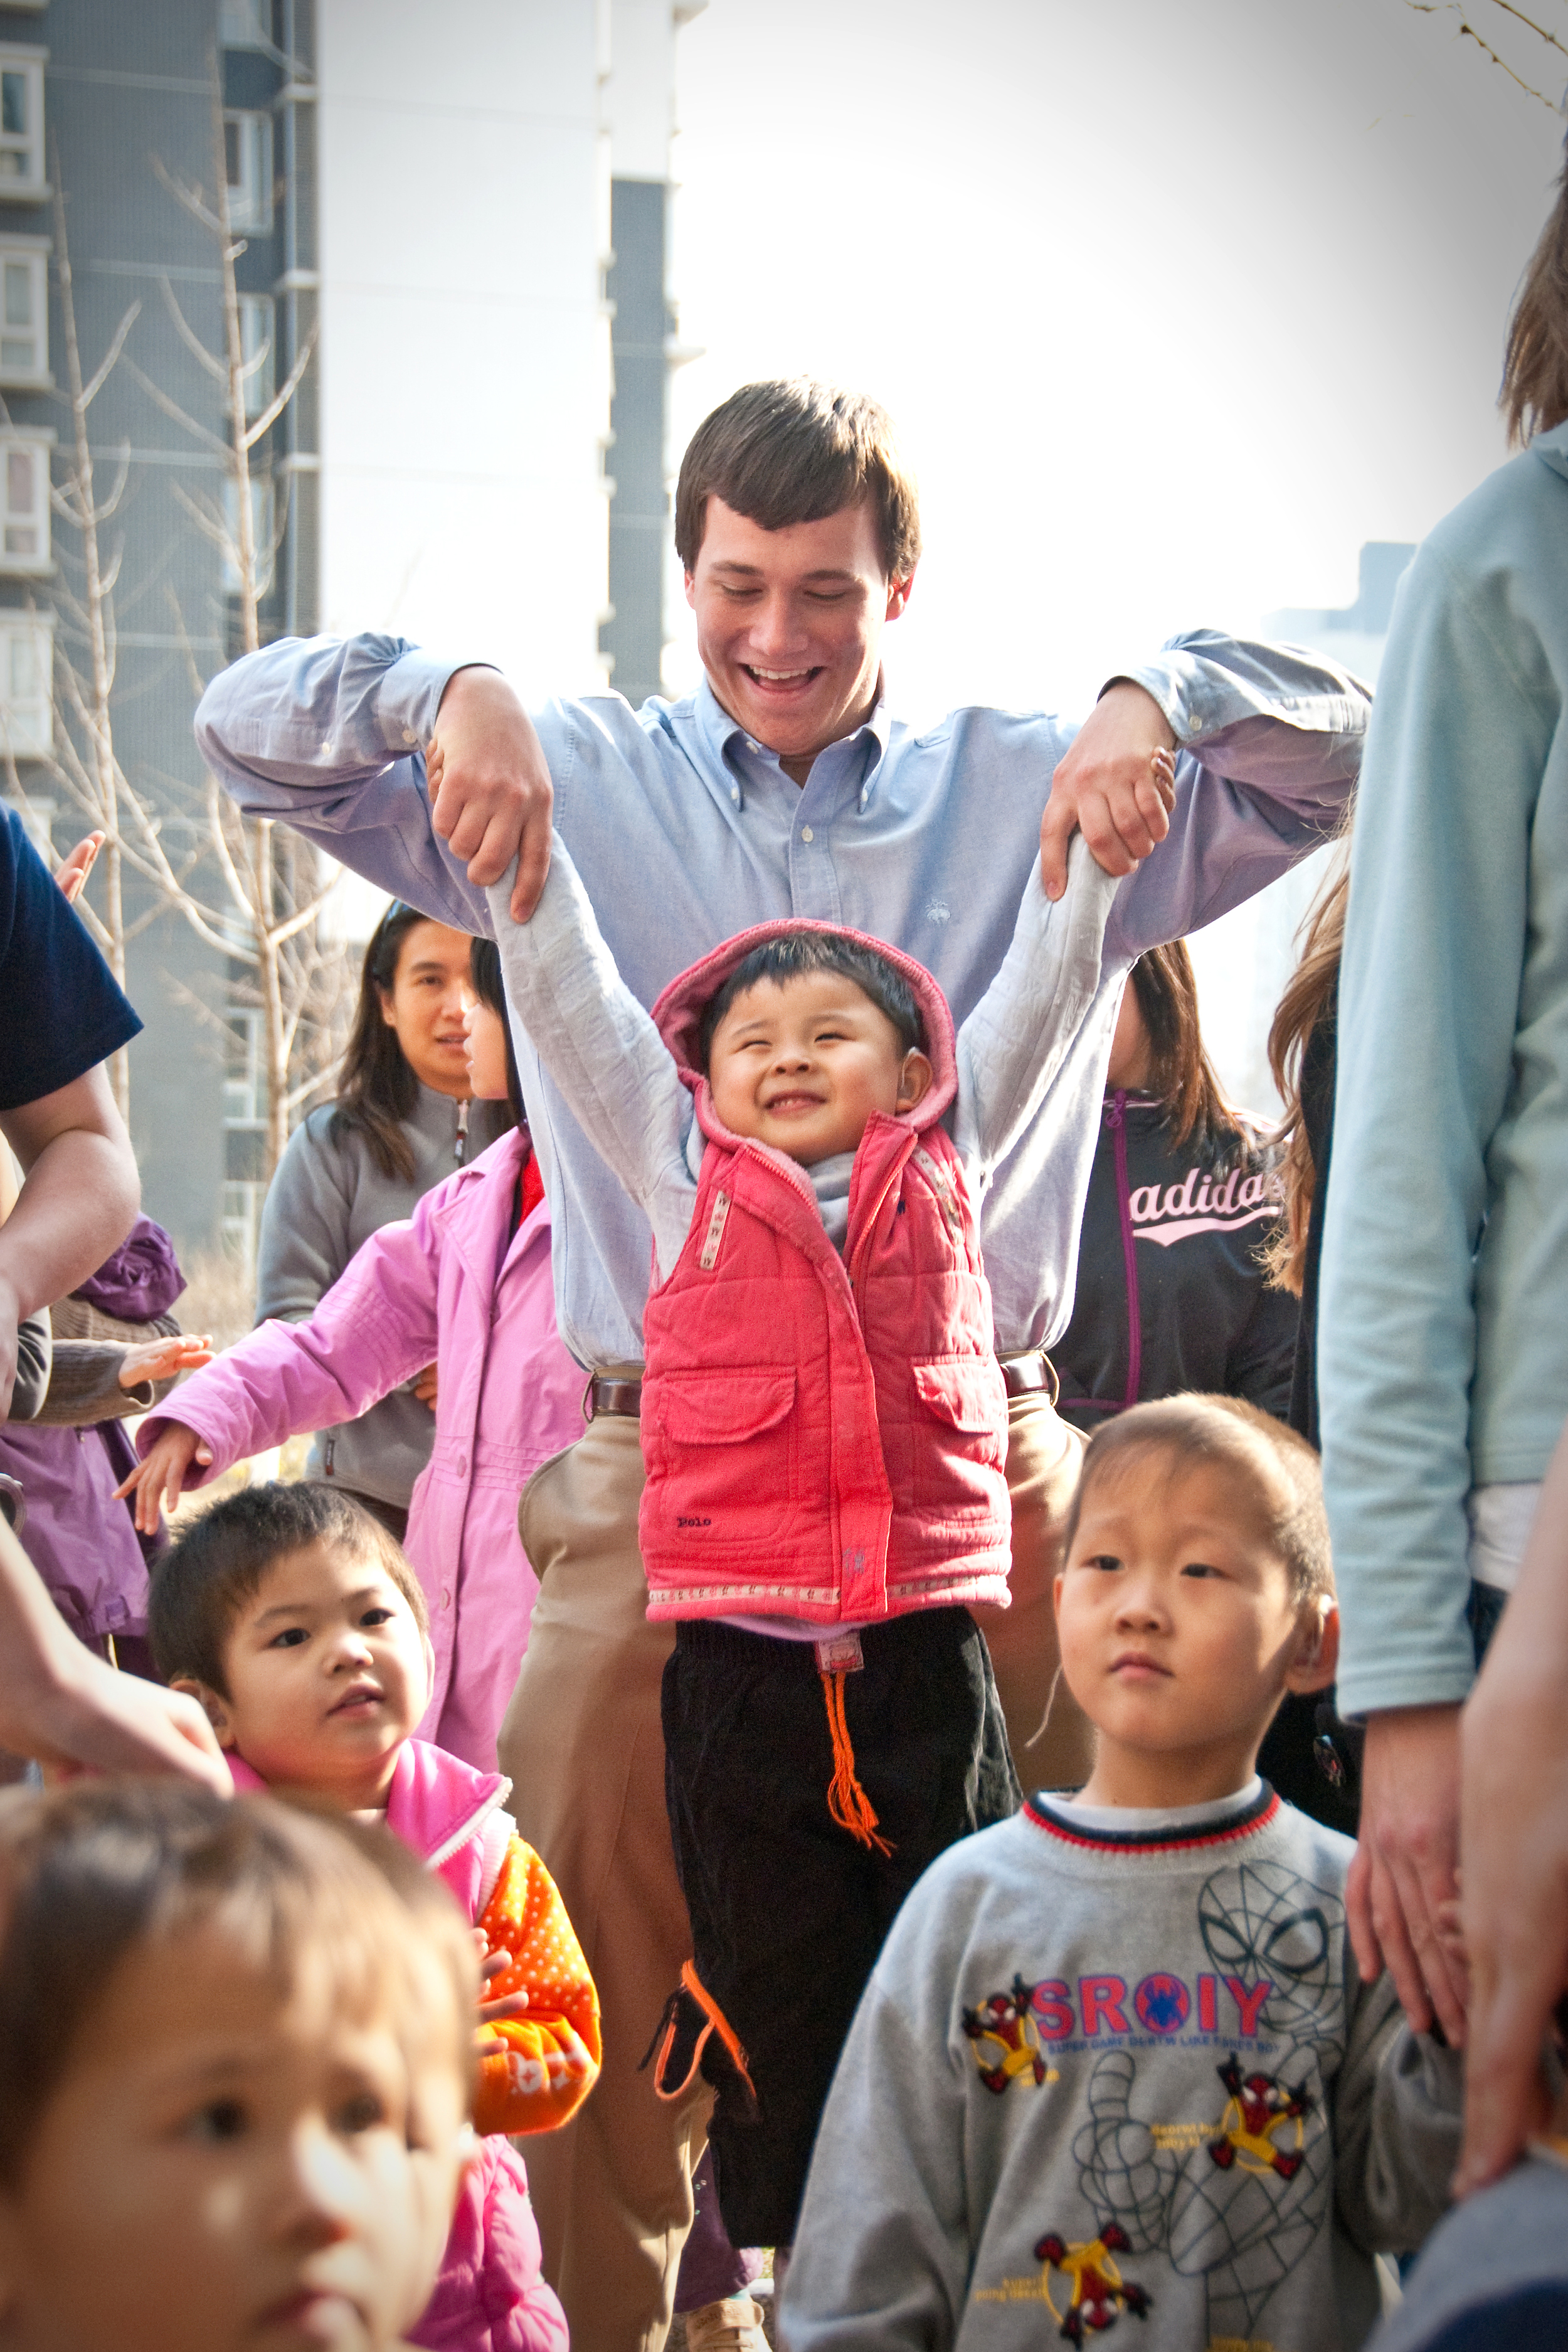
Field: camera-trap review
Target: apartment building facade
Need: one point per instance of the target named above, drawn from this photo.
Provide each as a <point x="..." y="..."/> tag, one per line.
<point x="425" y="210"/>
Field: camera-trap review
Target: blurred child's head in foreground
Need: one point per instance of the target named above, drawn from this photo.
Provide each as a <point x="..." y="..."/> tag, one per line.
<point x="1197" y="1589"/>
<point x="294" y="1617"/>
<point x="810" y="1035"/>
<point x="235" y="2060"/>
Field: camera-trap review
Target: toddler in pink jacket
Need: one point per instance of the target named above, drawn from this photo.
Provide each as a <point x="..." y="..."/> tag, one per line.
<point x="294" y="1618"/>
<point x="465" y="1282"/>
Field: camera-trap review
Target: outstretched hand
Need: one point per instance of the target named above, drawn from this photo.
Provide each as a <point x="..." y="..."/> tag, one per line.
<point x="490" y="790"/>
<point x="159" y="1482"/>
<point x="1116" y="787"/>
<point x="71" y="879"/>
<point x="161" y="1360"/>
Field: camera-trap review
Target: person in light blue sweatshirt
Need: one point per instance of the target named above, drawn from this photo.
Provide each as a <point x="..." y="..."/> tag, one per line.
<point x="1444" y="1367"/>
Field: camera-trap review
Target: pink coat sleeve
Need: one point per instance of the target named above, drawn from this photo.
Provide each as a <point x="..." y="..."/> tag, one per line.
<point x="373" y="1329"/>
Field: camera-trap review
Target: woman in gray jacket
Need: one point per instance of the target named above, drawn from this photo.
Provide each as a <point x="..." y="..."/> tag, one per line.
<point x="402" y="1122"/>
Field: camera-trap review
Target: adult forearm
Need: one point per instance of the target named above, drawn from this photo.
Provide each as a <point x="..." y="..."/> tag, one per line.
<point x="1513" y="1843"/>
<point x="62" y="1706"/>
<point x="327" y="734"/>
<point x="77" y="1204"/>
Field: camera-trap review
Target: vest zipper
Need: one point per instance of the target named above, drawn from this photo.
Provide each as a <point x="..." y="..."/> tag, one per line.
<point x="460" y="1148"/>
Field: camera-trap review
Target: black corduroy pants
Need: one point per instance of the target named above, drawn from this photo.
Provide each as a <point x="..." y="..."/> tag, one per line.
<point x="788" y="1910"/>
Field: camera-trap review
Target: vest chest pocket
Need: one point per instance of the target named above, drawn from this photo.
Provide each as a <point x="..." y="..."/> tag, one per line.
<point x="723" y="1441"/>
<point x="966" y="1397"/>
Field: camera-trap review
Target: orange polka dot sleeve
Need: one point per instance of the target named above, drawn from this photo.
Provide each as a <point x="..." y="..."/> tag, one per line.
<point x="539" y="2068"/>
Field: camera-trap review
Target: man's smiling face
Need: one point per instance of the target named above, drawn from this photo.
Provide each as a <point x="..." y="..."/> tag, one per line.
<point x="790" y="624"/>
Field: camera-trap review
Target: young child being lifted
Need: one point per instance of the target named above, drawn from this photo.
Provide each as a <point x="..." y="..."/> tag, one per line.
<point x="824" y="1431"/>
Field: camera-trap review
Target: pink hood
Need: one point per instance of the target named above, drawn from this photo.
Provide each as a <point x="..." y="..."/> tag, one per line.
<point x="438" y="1805"/>
<point x="677" y="1016"/>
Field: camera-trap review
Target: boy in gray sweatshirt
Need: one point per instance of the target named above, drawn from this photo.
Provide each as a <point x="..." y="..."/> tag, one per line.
<point x="1114" y="2071"/>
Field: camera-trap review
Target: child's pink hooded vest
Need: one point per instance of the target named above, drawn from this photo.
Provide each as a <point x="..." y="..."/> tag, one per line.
<point x="825" y="1436"/>
<point x="491" y="2296"/>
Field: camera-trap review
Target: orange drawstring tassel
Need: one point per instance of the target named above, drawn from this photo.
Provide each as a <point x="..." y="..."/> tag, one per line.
<point x="847" y="1800"/>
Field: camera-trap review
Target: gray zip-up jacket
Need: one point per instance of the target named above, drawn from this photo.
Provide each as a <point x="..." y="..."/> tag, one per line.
<point x="326" y="1198"/>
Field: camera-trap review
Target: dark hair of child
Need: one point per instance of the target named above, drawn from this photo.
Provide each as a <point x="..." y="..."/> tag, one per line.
<point x="216" y="1565"/>
<point x="794" y="953"/>
<point x="1193" y="1429"/>
<point x="91" y="1871"/>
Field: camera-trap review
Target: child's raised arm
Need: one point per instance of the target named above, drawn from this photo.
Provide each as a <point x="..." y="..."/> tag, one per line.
<point x="1017" y="1036"/>
<point x="601" y="1047"/>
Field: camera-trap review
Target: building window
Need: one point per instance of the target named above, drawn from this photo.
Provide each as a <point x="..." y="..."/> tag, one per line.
<point x="263" y="549"/>
<point x="242" y="1220"/>
<point x="27" y="685"/>
<point x="22" y="124"/>
<point x="247" y="147"/>
<point x="256" y="342"/>
<point x="24" y="314"/>
<point x="245" y="1083"/>
<point x="246" y="24"/>
<point x="23" y="502"/>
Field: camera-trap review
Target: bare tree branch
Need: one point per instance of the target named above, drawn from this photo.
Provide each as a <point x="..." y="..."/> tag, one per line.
<point x="189" y="337"/>
<point x="275" y="408"/>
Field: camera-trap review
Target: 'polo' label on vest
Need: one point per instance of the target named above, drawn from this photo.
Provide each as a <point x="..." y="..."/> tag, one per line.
<point x="715" y="1234"/>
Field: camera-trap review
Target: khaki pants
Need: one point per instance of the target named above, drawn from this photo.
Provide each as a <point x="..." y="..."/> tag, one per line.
<point x="1051" y="1750"/>
<point x="585" y="1752"/>
<point x="582" y="1744"/>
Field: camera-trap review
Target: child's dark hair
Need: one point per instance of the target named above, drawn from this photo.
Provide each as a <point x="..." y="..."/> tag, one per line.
<point x="216" y="1565"/>
<point x="794" y="953"/>
<point x="91" y="1872"/>
<point x="1191" y="1429"/>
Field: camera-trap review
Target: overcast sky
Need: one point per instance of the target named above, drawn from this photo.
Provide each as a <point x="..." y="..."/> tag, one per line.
<point x="1174" y="306"/>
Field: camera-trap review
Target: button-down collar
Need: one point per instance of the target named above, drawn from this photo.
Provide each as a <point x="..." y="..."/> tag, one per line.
<point x="854" y="759"/>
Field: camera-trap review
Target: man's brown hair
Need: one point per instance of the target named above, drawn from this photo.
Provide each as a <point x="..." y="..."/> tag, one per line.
<point x="794" y="451"/>
<point x="1192" y="1428"/>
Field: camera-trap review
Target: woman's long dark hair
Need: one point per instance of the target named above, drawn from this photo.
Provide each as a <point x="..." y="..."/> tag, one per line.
<point x="1311" y="999"/>
<point x="377" y="1089"/>
<point x="1534" y="395"/>
<point x="1180" y="1073"/>
<point x="484" y="971"/>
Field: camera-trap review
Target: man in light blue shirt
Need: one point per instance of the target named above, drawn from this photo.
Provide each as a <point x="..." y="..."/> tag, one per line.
<point x="783" y="785"/>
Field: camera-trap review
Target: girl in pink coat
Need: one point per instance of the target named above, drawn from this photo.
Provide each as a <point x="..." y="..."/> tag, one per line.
<point x="464" y="1281"/>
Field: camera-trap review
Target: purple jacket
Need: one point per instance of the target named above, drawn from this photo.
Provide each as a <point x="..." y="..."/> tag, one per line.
<point x="443" y="1285"/>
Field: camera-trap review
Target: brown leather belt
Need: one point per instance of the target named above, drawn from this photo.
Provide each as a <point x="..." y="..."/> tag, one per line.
<point x="1033" y="1374"/>
<point x="605" y="1394"/>
<point x="1028" y="1375"/>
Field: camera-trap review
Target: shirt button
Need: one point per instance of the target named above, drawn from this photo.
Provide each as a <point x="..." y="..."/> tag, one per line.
<point x="805" y="833"/>
<point x="409" y="735"/>
<point x="463" y="1465"/>
<point x="447" y="1600"/>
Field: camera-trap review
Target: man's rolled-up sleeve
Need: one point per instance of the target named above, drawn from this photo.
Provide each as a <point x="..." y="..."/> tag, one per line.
<point x="328" y="735"/>
<point x="1268" y="741"/>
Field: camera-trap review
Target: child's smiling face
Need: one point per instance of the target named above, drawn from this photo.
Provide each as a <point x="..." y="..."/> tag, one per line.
<point x="327" y="1673"/>
<point x="233" y="2162"/>
<point x="803" y="1064"/>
